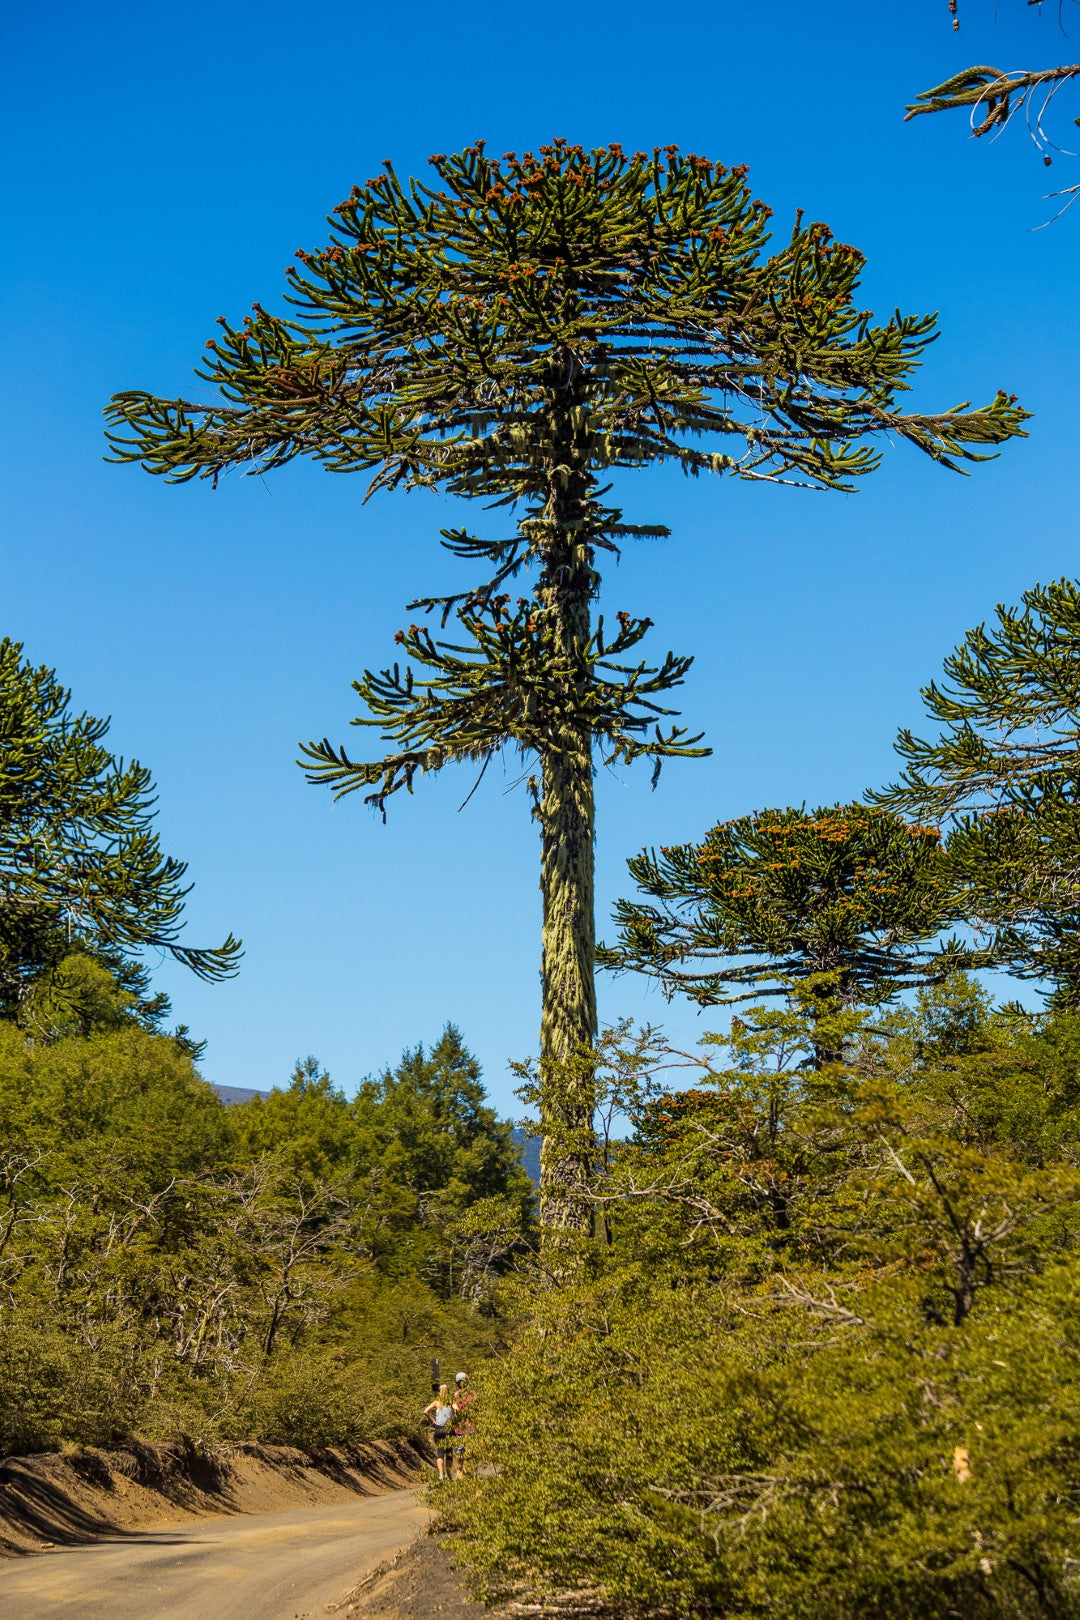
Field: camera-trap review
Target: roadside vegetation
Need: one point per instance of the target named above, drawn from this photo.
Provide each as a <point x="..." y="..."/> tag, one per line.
<point x="825" y="1356"/>
<point x="281" y="1270"/>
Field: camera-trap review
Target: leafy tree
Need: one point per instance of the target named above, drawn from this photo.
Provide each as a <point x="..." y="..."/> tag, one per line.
<point x="413" y="1152"/>
<point x="38" y="944"/>
<point x="1004" y="776"/>
<point x="426" y="1127"/>
<point x="828" y="1362"/>
<point x="79" y="996"/>
<point x="171" y="1265"/>
<point x="66" y="987"/>
<point x="515" y="331"/>
<point x="844" y="900"/>
<point x="78" y="857"/>
<point x="306" y="1124"/>
<point x="120" y="1097"/>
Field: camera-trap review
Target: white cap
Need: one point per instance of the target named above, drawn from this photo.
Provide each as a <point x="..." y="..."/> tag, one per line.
<point x="459" y="1378"/>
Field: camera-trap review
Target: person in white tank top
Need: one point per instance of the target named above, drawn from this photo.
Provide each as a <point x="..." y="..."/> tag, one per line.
<point x="441" y="1413"/>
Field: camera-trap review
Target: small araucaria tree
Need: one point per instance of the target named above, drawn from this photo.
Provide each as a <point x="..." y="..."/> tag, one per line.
<point x="79" y="860"/>
<point x="1003" y="776"/>
<point x="846" y="901"/>
<point x="515" y="330"/>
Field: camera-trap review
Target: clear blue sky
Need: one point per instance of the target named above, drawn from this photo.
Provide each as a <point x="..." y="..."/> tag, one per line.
<point x="163" y="163"/>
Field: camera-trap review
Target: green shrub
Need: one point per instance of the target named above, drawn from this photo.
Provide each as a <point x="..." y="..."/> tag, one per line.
<point x="54" y="1391"/>
<point x="682" y="1453"/>
<point x="303" y="1398"/>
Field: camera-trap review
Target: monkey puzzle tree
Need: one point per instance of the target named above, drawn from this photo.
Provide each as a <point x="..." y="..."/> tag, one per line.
<point x="515" y="331"/>
<point x="78" y="857"/>
<point x="1003" y="776"/>
<point x="847" y="899"/>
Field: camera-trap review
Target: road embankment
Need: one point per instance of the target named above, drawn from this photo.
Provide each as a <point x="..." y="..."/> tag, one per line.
<point x="77" y="1497"/>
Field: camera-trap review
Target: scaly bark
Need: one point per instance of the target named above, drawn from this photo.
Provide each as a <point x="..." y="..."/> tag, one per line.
<point x="568" y="1015"/>
<point x="567" y="816"/>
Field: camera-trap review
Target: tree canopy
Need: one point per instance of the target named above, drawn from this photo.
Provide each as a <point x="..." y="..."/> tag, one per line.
<point x="429" y="334"/>
<point x="271" y="1270"/>
<point x="1004" y="776"/>
<point x="418" y="1149"/>
<point x="850" y="899"/>
<point x="78" y="854"/>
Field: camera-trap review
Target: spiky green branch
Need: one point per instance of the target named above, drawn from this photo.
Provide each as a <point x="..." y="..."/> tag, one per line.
<point x="848" y="899"/>
<point x="1003" y="775"/>
<point x="77" y="847"/>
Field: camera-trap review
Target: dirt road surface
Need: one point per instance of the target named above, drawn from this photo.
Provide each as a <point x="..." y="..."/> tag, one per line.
<point x="259" y="1566"/>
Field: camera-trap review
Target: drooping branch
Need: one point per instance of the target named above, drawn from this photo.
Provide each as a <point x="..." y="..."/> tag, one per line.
<point x="506" y="686"/>
<point x="995" y="97"/>
<point x="77" y="847"/>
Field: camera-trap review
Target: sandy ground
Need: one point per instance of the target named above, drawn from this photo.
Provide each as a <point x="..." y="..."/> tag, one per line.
<point x="298" y="1562"/>
<point x="70" y="1499"/>
<point x="250" y="1533"/>
<point x="422" y="1583"/>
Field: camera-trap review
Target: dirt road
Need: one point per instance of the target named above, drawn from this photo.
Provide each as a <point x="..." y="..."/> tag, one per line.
<point x="259" y="1566"/>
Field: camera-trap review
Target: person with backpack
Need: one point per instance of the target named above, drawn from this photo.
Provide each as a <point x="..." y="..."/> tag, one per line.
<point x="441" y="1413"/>
<point x="463" y="1423"/>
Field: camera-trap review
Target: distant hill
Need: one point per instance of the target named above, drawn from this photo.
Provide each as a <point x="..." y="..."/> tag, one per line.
<point x="529" y="1148"/>
<point x="238" y="1094"/>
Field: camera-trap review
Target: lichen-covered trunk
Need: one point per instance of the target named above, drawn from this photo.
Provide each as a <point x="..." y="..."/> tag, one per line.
<point x="568" y="1016"/>
<point x="567" y="831"/>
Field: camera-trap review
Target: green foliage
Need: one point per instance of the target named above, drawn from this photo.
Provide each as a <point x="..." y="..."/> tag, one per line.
<point x="306" y="1127"/>
<point x="429" y="334"/>
<point x="825" y="1358"/>
<point x="848" y="898"/>
<point x="318" y="1398"/>
<point x="415" y="1149"/>
<point x="123" y="1097"/>
<point x="170" y="1264"/>
<point x="1004" y="775"/>
<point x="77" y="851"/>
<point x="58" y="1388"/>
<point x="500" y="689"/>
<point x="427" y="1124"/>
<point x="683" y="1458"/>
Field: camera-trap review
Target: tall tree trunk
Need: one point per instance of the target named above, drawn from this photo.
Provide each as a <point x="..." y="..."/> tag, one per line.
<point x="568" y="1015"/>
<point x="827" y="1003"/>
<point x="567" y="830"/>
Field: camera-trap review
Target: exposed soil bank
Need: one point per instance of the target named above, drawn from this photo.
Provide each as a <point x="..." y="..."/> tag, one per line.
<point x="81" y="1496"/>
<point x="419" y="1583"/>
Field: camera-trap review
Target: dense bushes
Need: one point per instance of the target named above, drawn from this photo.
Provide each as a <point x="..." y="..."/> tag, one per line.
<point x="686" y="1453"/>
<point x="168" y="1264"/>
<point x="829" y="1360"/>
